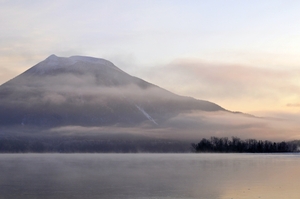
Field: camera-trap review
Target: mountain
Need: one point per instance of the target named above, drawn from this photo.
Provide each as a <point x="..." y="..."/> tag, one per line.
<point x="86" y="91"/>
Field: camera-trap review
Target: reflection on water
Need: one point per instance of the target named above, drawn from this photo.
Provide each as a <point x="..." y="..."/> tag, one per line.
<point x="204" y="176"/>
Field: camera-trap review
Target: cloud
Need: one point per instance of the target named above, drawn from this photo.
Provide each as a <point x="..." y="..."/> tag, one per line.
<point x="236" y="87"/>
<point x="63" y="86"/>
<point x="236" y="80"/>
<point x="293" y="105"/>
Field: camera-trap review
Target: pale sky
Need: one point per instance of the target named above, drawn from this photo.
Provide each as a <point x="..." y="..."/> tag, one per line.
<point x="240" y="54"/>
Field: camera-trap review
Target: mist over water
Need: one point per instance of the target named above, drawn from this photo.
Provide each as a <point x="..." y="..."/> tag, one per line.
<point x="148" y="176"/>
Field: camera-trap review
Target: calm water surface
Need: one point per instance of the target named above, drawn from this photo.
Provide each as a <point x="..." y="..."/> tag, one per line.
<point x="222" y="176"/>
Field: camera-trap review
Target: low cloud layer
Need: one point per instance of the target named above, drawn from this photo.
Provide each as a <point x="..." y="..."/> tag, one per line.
<point x="195" y="126"/>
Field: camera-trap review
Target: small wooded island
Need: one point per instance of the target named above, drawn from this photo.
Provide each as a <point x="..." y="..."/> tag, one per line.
<point x="237" y="145"/>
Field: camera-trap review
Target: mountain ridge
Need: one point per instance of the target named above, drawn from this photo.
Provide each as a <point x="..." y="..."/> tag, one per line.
<point x="88" y="91"/>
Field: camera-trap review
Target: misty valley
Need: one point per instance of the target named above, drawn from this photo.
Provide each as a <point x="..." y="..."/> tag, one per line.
<point x="85" y="104"/>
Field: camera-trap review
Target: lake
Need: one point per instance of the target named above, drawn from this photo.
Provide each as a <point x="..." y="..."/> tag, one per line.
<point x="142" y="176"/>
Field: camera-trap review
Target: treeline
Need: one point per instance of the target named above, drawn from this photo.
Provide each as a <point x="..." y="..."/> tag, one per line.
<point x="90" y="145"/>
<point x="237" y="145"/>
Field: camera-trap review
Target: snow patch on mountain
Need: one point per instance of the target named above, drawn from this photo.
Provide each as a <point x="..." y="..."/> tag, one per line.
<point x="54" y="62"/>
<point x="51" y="63"/>
<point x="146" y="114"/>
<point x="91" y="60"/>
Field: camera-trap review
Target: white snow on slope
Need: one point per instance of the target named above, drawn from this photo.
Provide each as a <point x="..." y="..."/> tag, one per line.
<point x="54" y="62"/>
<point x="51" y="63"/>
<point x="94" y="61"/>
<point x="146" y="114"/>
<point x="91" y="60"/>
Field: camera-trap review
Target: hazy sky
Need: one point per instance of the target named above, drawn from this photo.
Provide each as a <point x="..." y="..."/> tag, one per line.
<point x="242" y="55"/>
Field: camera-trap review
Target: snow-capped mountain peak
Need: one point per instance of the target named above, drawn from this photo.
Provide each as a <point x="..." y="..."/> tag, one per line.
<point x="88" y="91"/>
<point x="54" y="62"/>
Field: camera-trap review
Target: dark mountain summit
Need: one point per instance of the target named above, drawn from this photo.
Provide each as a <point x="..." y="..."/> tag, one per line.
<point x="86" y="91"/>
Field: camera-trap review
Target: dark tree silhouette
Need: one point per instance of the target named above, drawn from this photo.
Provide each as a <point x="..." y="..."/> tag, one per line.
<point x="236" y="145"/>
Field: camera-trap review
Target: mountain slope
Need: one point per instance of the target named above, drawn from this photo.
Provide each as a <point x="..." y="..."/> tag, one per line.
<point x="88" y="91"/>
